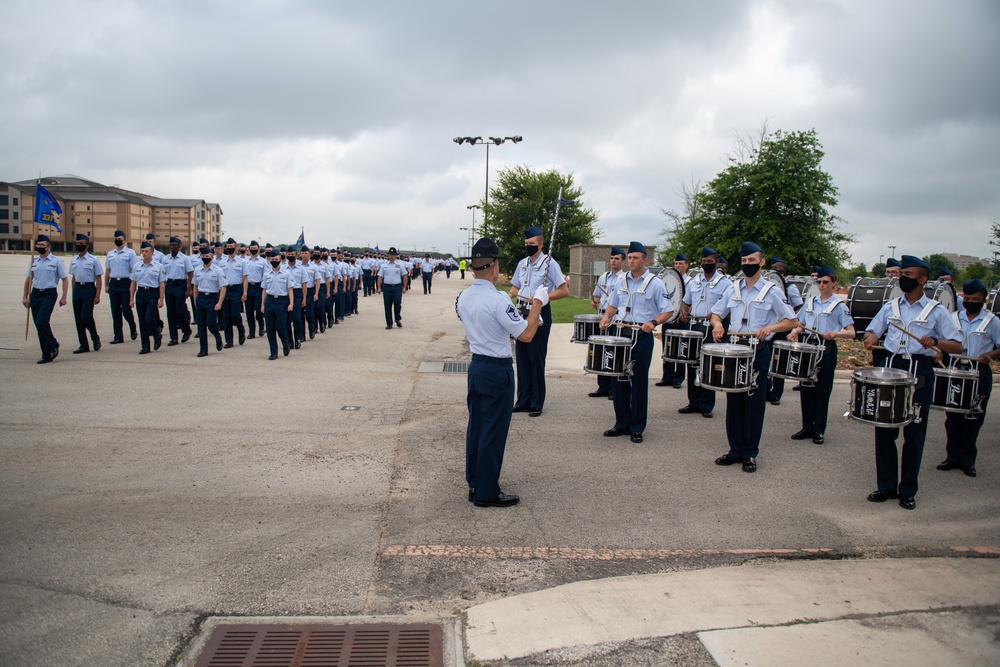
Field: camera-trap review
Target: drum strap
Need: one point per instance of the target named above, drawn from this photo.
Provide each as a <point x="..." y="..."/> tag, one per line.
<point x="623" y="287"/>
<point x="921" y="318"/>
<point x="829" y="309"/>
<point x="738" y="296"/>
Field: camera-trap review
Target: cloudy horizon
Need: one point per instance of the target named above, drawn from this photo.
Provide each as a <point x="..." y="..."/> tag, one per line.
<point x="339" y="117"/>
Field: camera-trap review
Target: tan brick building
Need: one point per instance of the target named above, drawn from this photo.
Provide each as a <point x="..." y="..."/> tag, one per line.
<point x="588" y="262"/>
<point x="98" y="210"/>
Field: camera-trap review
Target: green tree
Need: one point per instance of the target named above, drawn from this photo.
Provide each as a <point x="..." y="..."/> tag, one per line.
<point x="521" y="198"/>
<point x="938" y="262"/>
<point x="878" y="270"/>
<point x="859" y="270"/>
<point x="774" y="192"/>
<point x="976" y="271"/>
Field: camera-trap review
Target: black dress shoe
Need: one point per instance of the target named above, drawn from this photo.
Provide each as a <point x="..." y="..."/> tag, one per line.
<point x="172" y="343"/>
<point x="663" y="383"/>
<point x="389" y="326"/>
<point x="272" y="357"/>
<point x="818" y="439"/>
<point x="596" y="394"/>
<point x="322" y="328"/>
<point x="472" y="495"/>
<point x="615" y="432"/>
<point x="400" y="325"/>
<point x="227" y="345"/>
<point x="706" y="415"/>
<point x="677" y="385"/>
<point x="117" y="341"/>
<point x="133" y="334"/>
<point x="144" y="350"/>
<point x="186" y="337"/>
<point x="775" y="401"/>
<point x="534" y="413"/>
<point x="520" y="408"/>
<point x="636" y="437"/>
<point x="251" y="336"/>
<point x="750" y="465"/>
<point x="503" y="500"/>
<point x="803" y="435"/>
<point x="689" y="410"/>
<point x="54" y="353"/>
<point x="81" y="350"/>
<point x="285" y="350"/>
<point x="312" y="334"/>
<point x="203" y="354"/>
<point x="947" y="465"/>
<point x="44" y="360"/>
<point x="97" y="345"/>
<point x="157" y="342"/>
<point x="908" y="502"/>
<point x="727" y="460"/>
<point x="970" y="471"/>
<point x="879" y="496"/>
<point x="243" y="338"/>
<point x="298" y="345"/>
<point x="219" y="345"/>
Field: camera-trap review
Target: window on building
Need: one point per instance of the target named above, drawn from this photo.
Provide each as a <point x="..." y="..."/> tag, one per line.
<point x="4" y="214"/>
<point x="4" y="200"/>
<point x="17" y="230"/>
<point x="4" y="228"/>
<point x="15" y="215"/>
<point x="88" y="208"/>
<point x="15" y="201"/>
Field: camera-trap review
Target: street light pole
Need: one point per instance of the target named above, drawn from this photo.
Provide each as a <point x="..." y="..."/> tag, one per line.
<point x="893" y="249"/>
<point x="475" y="141"/>
<point x="473" y="208"/>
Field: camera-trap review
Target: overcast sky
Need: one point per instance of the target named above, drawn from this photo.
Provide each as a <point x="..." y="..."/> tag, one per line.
<point x="339" y="116"/>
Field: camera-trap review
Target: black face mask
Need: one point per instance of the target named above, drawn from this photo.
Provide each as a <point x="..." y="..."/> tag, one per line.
<point x="908" y="284"/>
<point x="750" y="270"/>
<point x="81" y="247"/>
<point x="973" y="308"/>
<point x="709" y="269"/>
<point x="41" y="251"/>
<point x="230" y="251"/>
<point x="531" y="250"/>
<point x="206" y="260"/>
<point x="315" y="257"/>
<point x="254" y="251"/>
<point x="119" y="242"/>
<point x="275" y="263"/>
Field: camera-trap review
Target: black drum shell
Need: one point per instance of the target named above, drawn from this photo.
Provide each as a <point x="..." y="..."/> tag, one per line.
<point x="682" y="346"/>
<point x="730" y="373"/>
<point x="885" y="402"/>
<point x="608" y="355"/>
<point x="793" y="361"/>
<point x="585" y="325"/>
<point x="954" y="390"/>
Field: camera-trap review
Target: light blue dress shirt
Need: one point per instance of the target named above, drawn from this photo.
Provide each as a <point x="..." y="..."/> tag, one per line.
<point x="608" y="281"/>
<point x="85" y="269"/>
<point x="977" y="344"/>
<point x="120" y="261"/>
<point x="177" y="268"/>
<point x="46" y="272"/>
<point x="256" y="266"/>
<point x="822" y="318"/>
<point x="392" y="273"/>
<point x="148" y="275"/>
<point x="276" y="283"/>
<point x="637" y="308"/>
<point x="939" y="324"/>
<point x="490" y="319"/>
<point x="209" y="279"/>
<point x="702" y="294"/>
<point x="750" y="313"/>
<point x="528" y="276"/>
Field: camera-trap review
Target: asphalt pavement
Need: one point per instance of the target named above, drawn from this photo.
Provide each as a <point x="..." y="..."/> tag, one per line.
<point x="144" y="498"/>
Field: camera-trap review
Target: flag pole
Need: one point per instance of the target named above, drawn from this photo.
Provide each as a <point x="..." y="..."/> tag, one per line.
<point x="31" y="259"/>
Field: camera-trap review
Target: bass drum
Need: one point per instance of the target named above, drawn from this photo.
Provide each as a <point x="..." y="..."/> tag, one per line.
<point x="809" y="289"/>
<point x="994" y="302"/>
<point x="777" y="279"/>
<point x="943" y="293"/>
<point x="800" y="282"/>
<point x="866" y="297"/>
<point x="674" y="283"/>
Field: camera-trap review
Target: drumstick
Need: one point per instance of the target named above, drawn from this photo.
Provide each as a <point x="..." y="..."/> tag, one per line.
<point x="933" y="347"/>
<point x="742" y="333"/>
<point x="633" y="326"/>
<point x="812" y="331"/>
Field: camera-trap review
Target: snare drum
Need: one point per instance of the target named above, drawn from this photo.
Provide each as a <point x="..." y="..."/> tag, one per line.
<point x="681" y="346"/>
<point x="609" y="355"/>
<point x="794" y="361"/>
<point x="955" y="390"/>
<point x="585" y="326"/>
<point x="882" y="396"/>
<point x="726" y="367"/>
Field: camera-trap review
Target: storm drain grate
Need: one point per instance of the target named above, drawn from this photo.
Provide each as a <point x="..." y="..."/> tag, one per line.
<point x="363" y="645"/>
<point x="455" y="367"/>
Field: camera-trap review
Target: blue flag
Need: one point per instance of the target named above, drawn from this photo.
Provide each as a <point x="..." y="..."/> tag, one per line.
<point x="301" y="241"/>
<point x="376" y="248"/>
<point x="46" y="208"/>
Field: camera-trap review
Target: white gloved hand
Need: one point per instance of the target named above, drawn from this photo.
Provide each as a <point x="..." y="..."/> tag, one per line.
<point x="541" y="294"/>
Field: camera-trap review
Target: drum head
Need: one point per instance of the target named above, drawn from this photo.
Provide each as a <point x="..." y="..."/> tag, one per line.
<point x="777" y="279"/>
<point x="610" y="340"/>
<point x="809" y="289"/>
<point x="726" y="350"/>
<point x="587" y="317"/>
<point x="798" y="347"/>
<point x="674" y="283"/>
<point x="695" y="271"/>
<point x="943" y="293"/>
<point x="883" y="376"/>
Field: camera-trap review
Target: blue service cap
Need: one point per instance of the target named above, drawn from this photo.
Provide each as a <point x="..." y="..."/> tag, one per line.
<point x="392" y="251"/>
<point x="202" y="240"/>
<point x="174" y="239"/>
<point x="304" y="248"/>
<point x="217" y="244"/>
<point x="206" y="249"/>
<point x="42" y="237"/>
<point x="274" y="253"/>
<point x="815" y="269"/>
<point x="777" y="260"/>
<point x="230" y="240"/>
<point x="254" y="243"/>
<point x="150" y="237"/>
<point x="708" y="252"/>
<point x="723" y="261"/>
<point x="911" y="262"/>
<point x="945" y="271"/>
<point x="82" y="237"/>
<point x="749" y="248"/>
<point x="892" y="261"/>
<point x="119" y="232"/>
<point x="824" y="271"/>
<point x="635" y="246"/>
<point x="531" y="232"/>
<point x="145" y="244"/>
<point x="681" y="257"/>
<point x="268" y="246"/>
<point x="615" y="250"/>
<point x="485" y="248"/>
<point x="973" y="286"/>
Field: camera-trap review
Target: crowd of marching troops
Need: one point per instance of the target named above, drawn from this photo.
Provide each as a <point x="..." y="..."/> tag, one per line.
<point x="286" y="294"/>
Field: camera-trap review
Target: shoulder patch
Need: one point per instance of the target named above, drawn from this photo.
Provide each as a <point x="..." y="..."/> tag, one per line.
<point x="513" y="314"/>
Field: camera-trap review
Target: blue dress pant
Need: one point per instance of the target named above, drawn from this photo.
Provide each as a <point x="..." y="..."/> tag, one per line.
<point x="699" y="397"/>
<point x="207" y="319"/>
<point x="294" y="330"/>
<point x="490" y="399"/>
<point x="309" y="312"/>
<point x="815" y="400"/>
<point x="745" y="411"/>
<point x="427" y="278"/>
<point x="118" y="298"/>
<point x="776" y="385"/>
<point x="42" y="302"/>
<point x="531" y="365"/>
<point x="319" y="309"/>
<point x="392" y="301"/>
<point x="333" y="306"/>
<point x="674" y="373"/>
<point x="83" y="313"/>
<point x="178" y="318"/>
<point x="631" y="393"/>
<point x="897" y="473"/>
<point x="963" y="430"/>
<point x="276" y="318"/>
<point x="148" y="314"/>
<point x="255" y="319"/>
<point x="232" y="312"/>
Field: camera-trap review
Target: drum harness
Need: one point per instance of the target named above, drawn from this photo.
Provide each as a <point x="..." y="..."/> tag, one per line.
<point x="973" y="364"/>
<point x="744" y="321"/>
<point x="897" y="317"/>
<point x="815" y="326"/>
<point x="699" y="321"/>
<point x="634" y="333"/>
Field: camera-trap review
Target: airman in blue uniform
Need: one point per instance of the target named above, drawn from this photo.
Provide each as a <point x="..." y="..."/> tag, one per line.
<point x="296" y="281"/>
<point x="256" y="266"/>
<point x="87" y="272"/>
<point x="177" y="270"/>
<point x="236" y="293"/>
<point x="673" y="373"/>
<point x="276" y="298"/>
<point x="776" y="385"/>
<point x="392" y="285"/>
<point x="44" y="274"/>
<point x="147" y="297"/>
<point x="209" y="281"/>
<point x="599" y="302"/>
<point x="490" y="321"/>
<point x="118" y="271"/>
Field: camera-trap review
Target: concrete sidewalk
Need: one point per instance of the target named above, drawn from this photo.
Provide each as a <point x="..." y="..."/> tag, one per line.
<point x="922" y="611"/>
